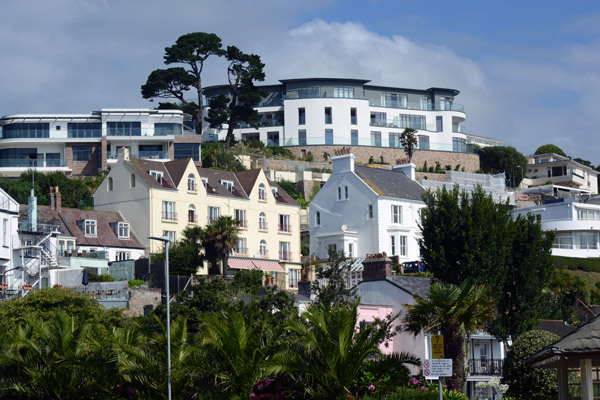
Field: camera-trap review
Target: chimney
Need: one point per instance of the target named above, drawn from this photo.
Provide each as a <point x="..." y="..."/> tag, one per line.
<point x="32" y="212"/>
<point x="54" y="198"/>
<point x="407" y="169"/>
<point x="376" y="267"/>
<point x="343" y="161"/>
<point x="123" y="154"/>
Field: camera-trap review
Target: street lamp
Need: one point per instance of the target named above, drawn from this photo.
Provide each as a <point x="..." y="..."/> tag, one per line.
<point x="167" y="241"/>
<point x="19" y="268"/>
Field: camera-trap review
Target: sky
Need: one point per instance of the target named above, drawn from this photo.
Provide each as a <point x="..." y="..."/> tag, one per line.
<point x="528" y="71"/>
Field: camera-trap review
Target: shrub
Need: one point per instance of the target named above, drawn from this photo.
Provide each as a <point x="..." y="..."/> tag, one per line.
<point x="135" y="283"/>
<point x="585" y="264"/>
<point x="525" y="382"/>
<point x="92" y="277"/>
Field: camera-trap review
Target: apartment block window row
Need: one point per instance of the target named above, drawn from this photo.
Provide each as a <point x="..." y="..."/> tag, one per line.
<point x="164" y="129"/>
<point x="308" y="92"/>
<point x="577" y="240"/>
<point x="124" y="128"/>
<point x="26" y="130"/>
<point x="82" y="153"/>
<point x="343" y="92"/>
<point x="583" y="214"/>
<point x="84" y="129"/>
<point x="394" y="100"/>
<point x="412" y="121"/>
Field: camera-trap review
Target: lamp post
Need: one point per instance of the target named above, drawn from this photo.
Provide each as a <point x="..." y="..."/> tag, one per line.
<point x="19" y="268"/>
<point x="167" y="241"/>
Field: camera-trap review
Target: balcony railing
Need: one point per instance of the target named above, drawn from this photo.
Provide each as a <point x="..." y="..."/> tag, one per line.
<point x="30" y="163"/>
<point x="374" y="142"/>
<point x="192" y="187"/>
<point x="210" y="220"/>
<point x="263" y="254"/>
<point x="485" y="367"/>
<point x="192" y="219"/>
<point x="243" y="224"/>
<point x="418" y="106"/>
<point x="153" y="155"/>
<point x="285" y="255"/>
<point x="241" y="250"/>
<point x="285" y="228"/>
<point x="263" y="226"/>
<point x="169" y="216"/>
<point x="399" y="125"/>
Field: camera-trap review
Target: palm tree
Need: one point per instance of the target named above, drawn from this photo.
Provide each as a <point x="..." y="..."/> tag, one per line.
<point x="408" y="139"/>
<point x="218" y="240"/>
<point x="62" y="358"/>
<point x="242" y="343"/>
<point x="330" y="350"/>
<point x="454" y="311"/>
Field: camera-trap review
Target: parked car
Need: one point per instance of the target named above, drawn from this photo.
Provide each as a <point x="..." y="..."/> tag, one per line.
<point x="411" y="267"/>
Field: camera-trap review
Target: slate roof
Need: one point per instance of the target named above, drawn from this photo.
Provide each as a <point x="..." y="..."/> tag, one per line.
<point x="559" y="328"/>
<point x="141" y="168"/>
<point x="415" y="285"/>
<point x="390" y="183"/>
<point x="67" y="220"/>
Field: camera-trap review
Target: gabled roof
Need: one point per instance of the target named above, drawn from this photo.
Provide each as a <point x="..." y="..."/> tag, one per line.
<point x="68" y="218"/>
<point x="390" y="183"/>
<point x="177" y="168"/>
<point x="413" y="285"/>
<point x="141" y="168"/>
<point x="214" y="186"/>
<point x="559" y="328"/>
<point x="248" y="179"/>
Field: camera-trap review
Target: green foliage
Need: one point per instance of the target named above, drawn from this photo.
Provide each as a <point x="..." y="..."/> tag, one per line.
<point x="215" y="156"/>
<point x="385" y="373"/>
<point x="471" y="238"/>
<point x="455" y="312"/>
<point x="408" y="140"/>
<point x="92" y="277"/>
<point x="309" y="157"/>
<point x="550" y="148"/>
<point x="525" y="382"/>
<point x="507" y="159"/>
<point x="416" y="394"/>
<point x="218" y="241"/>
<point x="584" y="264"/>
<point x="330" y="286"/>
<point x="290" y="188"/>
<point x="76" y="192"/>
<point x="564" y="288"/>
<point x="185" y="255"/>
<point x="133" y="283"/>
<point x="248" y="281"/>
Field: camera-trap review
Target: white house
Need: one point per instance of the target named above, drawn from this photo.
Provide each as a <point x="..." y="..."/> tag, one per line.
<point x="365" y="210"/>
<point x="9" y="217"/>
<point x="559" y="170"/>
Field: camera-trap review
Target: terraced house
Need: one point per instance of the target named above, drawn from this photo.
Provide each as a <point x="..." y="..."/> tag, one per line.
<point x="162" y="199"/>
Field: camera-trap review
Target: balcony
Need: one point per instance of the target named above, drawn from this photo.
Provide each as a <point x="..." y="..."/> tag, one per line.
<point x="285" y="256"/>
<point x="192" y="187"/>
<point x="31" y="163"/>
<point x="169" y="216"/>
<point x="192" y="219"/>
<point x="485" y="367"/>
<point x="262" y="226"/>
<point x="263" y="254"/>
<point x="242" y="224"/>
<point x="397" y="124"/>
<point x="286" y="228"/>
<point x="348" y="141"/>
<point x="458" y="129"/>
<point x="241" y="250"/>
<point x="152" y="155"/>
<point x="419" y="106"/>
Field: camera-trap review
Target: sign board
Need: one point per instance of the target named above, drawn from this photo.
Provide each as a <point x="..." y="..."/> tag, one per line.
<point x="435" y="367"/>
<point x="437" y="346"/>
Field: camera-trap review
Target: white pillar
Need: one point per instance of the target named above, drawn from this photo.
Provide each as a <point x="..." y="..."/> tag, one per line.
<point x="587" y="392"/>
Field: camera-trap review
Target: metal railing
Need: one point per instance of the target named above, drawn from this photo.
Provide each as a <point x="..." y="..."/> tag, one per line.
<point x="285" y="228"/>
<point x="485" y="367"/>
<point x="285" y="255"/>
<point x="169" y="216"/>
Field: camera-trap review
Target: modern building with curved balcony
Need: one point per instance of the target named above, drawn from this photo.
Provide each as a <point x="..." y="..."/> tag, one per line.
<point x="83" y="144"/>
<point x="352" y="112"/>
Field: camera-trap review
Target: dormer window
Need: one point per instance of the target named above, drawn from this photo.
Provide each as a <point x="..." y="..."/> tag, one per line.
<point x="274" y="191"/>
<point x="123" y="230"/>
<point x="204" y="181"/>
<point x="228" y="185"/>
<point x="158" y="175"/>
<point x="90" y="227"/>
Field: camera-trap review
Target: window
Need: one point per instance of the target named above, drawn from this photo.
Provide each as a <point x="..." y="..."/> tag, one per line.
<point x="240" y="247"/>
<point x="158" y="175"/>
<point x="439" y="124"/>
<point x="411" y="121"/>
<point x="204" y="181"/>
<point x="328" y="117"/>
<point x="378" y="118"/>
<point x="228" y="185"/>
<point x="272" y="138"/>
<point x="339" y="193"/>
<point x="132" y="180"/>
<point x="328" y="136"/>
<point x="240" y="217"/>
<point x="109" y="185"/>
<point x="82" y="153"/>
<point x="191" y="183"/>
<point x="284" y="223"/>
<point x="312" y="91"/>
<point x="350" y="250"/>
<point x="423" y="142"/>
<point x="397" y="214"/>
<point x="186" y="150"/>
<point x="284" y="251"/>
<point x="354" y="137"/>
<point x="153" y="151"/>
<point x="318" y="218"/>
<point x="250" y="136"/>
<point x="459" y="145"/>
<point x="394" y="100"/>
<point x="122" y="255"/>
<point x="263" y="248"/>
<point x="583" y="214"/>
<point x="262" y="221"/>
<point x="53" y="159"/>
<point x="26" y="130"/>
<point x="262" y="194"/>
<point x="563" y="240"/>
<point x="375" y="138"/>
<point x="123" y="230"/>
<point x="370" y="211"/>
<point x="425" y="103"/>
<point x="402" y="245"/>
<point x="124" y="128"/>
<point x="294" y="278"/>
<point x="393" y="245"/>
<point x="170" y="235"/>
<point x="353" y="118"/>
<point x="5" y="232"/>
<point x="163" y="129"/>
<point x="395" y="140"/>
<point x="344" y="92"/>
<point x="346" y="192"/>
<point x="213" y="213"/>
<point x="90" y="227"/>
<point x="192" y="217"/>
<point x="302" y="137"/>
<point x="84" y="129"/>
<point x="446" y="103"/>
<point x="301" y="116"/>
<point x="168" y="211"/>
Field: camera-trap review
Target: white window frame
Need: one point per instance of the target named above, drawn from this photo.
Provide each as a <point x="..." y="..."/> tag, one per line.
<point x="293" y="278"/>
<point x="228" y="185"/>
<point x="393" y="245"/>
<point x="262" y="221"/>
<point x="157" y="175"/>
<point x="5" y="232"/>
<point x="168" y="211"/>
<point x="318" y="218"/>
<point x="171" y="235"/>
<point x="284" y="223"/>
<point x="263" y="248"/>
<point x="240" y="216"/>
<point x="284" y="251"/>
<point x="90" y="227"/>
<point x="240" y="246"/>
<point x="123" y="230"/>
<point x="122" y="255"/>
<point x="204" y="181"/>
<point x="396" y="214"/>
<point x="274" y="191"/>
<point x="403" y="245"/>
<point x="192" y="183"/>
<point x="213" y="213"/>
<point x="262" y="193"/>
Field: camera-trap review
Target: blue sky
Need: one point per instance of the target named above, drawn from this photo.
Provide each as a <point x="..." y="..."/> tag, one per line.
<point x="528" y="71"/>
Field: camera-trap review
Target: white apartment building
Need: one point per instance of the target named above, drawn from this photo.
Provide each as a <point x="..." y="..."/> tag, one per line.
<point x="365" y="210"/>
<point x="555" y="169"/>
<point x="336" y="111"/>
<point x="576" y="226"/>
<point x="83" y="144"/>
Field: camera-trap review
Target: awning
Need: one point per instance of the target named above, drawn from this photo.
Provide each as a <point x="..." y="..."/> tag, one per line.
<point x="240" y="263"/>
<point x="264" y="265"/>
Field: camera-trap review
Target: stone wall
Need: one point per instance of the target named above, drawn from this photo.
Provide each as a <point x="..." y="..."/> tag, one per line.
<point x="141" y="297"/>
<point x="468" y="161"/>
<point x="82" y="167"/>
<point x="430" y="176"/>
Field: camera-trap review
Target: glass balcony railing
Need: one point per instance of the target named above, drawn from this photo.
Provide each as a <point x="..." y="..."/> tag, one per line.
<point x="418" y="106"/>
<point x="153" y="155"/>
<point x="458" y="129"/>
<point x="28" y="163"/>
<point x="376" y="143"/>
<point x="400" y="125"/>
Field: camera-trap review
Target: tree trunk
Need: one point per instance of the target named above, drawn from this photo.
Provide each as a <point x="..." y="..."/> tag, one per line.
<point x="199" y="110"/>
<point x="454" y="349"/>
<point x="232" y="117"/>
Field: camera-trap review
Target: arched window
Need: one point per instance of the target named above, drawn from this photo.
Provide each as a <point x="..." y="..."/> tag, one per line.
<point x="192" y="214"/>
<point x="191" y="183"/>
<point x="109" y="185"/>
<point x="132" y="180"/>
<point x="261" y="192"/>
<point x="263" y="248"/>
<point x="262" y="221"/>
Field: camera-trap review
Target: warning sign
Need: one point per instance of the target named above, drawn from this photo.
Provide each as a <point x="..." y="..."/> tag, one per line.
<point x="433" y="368"/>
<point x="437" y="346"/>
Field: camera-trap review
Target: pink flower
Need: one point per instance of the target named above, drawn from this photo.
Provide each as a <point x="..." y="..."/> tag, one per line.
<point x="371" y="388"/>
<point x="349" y="396"/>
<point x="413" y="381"/>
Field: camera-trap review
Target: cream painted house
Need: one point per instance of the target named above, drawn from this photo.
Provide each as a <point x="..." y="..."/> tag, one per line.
<point x="162" y="199"/>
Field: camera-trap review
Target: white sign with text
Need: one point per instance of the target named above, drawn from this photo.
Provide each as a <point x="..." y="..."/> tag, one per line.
<point x="435" y="367"/>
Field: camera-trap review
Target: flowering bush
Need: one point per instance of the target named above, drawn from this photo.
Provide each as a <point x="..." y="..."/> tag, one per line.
<point x="275" y="389"/>
<point x="493" y="388"/>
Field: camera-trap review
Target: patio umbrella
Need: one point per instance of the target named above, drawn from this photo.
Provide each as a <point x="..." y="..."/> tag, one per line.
<point x="85" y="280"/>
